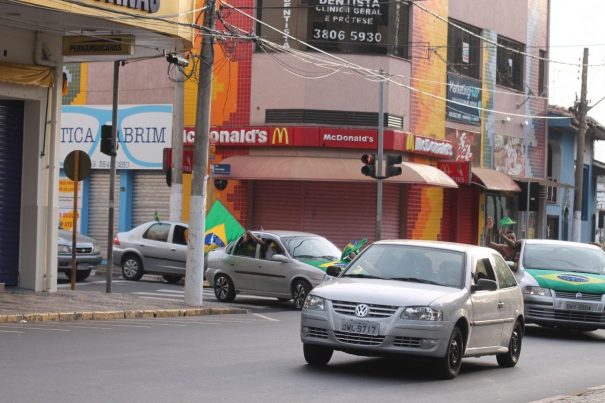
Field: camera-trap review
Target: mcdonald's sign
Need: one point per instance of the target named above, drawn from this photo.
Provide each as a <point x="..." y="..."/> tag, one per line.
<point x="280" y="136"/>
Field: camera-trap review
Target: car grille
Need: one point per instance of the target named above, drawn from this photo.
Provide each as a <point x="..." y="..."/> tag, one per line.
<point x="549" y="313"/>
<point x="318" y="333"/>
<point x="375" y="311"/>
<point x="584" y="296"/>
<point x="84" y="250"/>
<point x="410" y="342"/>
<point x="359" y="339"/>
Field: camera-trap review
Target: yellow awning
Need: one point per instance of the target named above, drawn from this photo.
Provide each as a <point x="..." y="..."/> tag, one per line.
<point x="26" y="74"/>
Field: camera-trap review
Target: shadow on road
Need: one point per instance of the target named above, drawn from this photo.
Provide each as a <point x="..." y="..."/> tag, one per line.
<point x="564" y="334"/>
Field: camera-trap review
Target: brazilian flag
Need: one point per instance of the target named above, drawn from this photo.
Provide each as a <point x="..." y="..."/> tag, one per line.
<point x="353" y="246"/>
<point x="221" y="227"/>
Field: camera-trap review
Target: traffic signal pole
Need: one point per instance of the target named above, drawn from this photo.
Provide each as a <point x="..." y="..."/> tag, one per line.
<point x="379" y="173"/>
<point x="580" y="144"/>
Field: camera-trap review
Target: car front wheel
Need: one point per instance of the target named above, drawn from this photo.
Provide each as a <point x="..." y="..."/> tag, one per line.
<point x="223" y="288"/>
<point x="511" y="358"/>
<point x="450" y="364"/>
<point x="132" y="268"/>
<point x="300" y="290"/>
<point x="317" y="355"/>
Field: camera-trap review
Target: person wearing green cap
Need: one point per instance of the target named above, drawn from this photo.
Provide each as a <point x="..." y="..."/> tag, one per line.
<point x="511" y="247"/>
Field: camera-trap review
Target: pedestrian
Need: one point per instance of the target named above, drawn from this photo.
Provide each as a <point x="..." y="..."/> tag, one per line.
<point x="510" y="248"/>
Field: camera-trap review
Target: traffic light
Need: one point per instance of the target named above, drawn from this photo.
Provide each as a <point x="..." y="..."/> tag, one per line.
<point x="369" y="169"/>
<point x="391" y="168"/>
<point x="107" y="146"/>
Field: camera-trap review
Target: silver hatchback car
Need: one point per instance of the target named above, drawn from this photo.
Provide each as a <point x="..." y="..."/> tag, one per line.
<point x="421" y="298"/>
<point x="297" y="262"/>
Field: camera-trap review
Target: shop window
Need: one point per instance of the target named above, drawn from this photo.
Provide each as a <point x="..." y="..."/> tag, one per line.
<point x="463" y="49"/>
<point x="510" y="64"/>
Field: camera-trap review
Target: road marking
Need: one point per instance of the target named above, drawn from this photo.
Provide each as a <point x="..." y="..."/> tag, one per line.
<point x="161" y="298"/>
<point x="265" y="317"/>
<point x="10" y="331"/>
<point x="90" y="327"/>
<point x="41" y="328"/>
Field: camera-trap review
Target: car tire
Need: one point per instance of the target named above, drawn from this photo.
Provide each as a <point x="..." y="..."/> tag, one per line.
<point x="449" y="366"/>
<point x="510" y="359"/>
<point x="81" y="275"/>
<point x="300" y="290"/>
<point x="223" y="288"/>
<point x="172" y="279"/>
<point x="317" y="356"/>
<point x="132" y="268"/>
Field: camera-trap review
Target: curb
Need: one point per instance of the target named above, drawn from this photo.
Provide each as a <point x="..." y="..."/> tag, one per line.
<point x="118" y="314"/>
<point x="586" y="395"/>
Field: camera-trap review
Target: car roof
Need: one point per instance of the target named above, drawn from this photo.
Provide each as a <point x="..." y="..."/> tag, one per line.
<point x="454" y="246"/>
<point x="286" y="233"/>
<point x="558" y="242"/>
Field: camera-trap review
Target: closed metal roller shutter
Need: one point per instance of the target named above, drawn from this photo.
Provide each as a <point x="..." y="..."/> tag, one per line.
<point x="99" y="207"/>
<point x="11" y="152"/>
<point x="150" y="194"/>
<point x="339" y="211"/>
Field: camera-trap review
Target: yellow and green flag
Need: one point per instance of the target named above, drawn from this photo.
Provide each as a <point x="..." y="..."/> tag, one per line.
<point x="221" y="227"/>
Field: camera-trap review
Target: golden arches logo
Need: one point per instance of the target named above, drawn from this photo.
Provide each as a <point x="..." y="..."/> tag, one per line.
<point x="410" y="141"/>
<point x="281" y="134"/>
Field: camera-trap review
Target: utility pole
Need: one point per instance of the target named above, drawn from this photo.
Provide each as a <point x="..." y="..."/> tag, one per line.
<point x="581" y="116"/>
<point x="176" y="174"/>
<point x="112" y="173"/>
<point x="194" y="270"/>
<point x="379" y="170"/>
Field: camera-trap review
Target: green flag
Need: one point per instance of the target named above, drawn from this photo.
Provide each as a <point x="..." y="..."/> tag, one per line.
<point x="221" y="227"/>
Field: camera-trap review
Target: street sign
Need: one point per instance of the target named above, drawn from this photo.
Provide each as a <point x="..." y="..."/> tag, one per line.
<point x="77" y="165"/>
<point x="222" y="169"/>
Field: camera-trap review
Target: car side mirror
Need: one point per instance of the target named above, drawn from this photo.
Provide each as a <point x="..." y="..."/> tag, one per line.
<point x="484" y="284"/>
<point x="334" y="271"/>
<point x="280" y="258"/>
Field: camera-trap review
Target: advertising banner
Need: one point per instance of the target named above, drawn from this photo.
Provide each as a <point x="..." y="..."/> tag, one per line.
<point x="466" y="144"/>
<point x="509" y="155"/>
<point x="466" y="93"/>
<point x="143" y="132"/>
<point x="66" y="204"/>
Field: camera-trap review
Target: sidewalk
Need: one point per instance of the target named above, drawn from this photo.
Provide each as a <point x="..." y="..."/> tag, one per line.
<point x="18" y="305"/>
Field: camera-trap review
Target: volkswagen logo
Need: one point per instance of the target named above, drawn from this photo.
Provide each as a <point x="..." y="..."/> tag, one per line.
<point x="361" y="310"/>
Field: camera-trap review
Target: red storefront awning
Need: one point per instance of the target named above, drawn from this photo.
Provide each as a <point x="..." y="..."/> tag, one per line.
<point x="255" y="167"/>
<point x="493" y="180"/>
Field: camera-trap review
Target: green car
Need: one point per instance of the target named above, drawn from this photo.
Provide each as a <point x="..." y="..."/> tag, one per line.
<point x="563" y="283"/>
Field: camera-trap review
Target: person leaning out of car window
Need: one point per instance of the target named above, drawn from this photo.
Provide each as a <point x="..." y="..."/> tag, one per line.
<point x="268" y="247"/>
<point x="510" y="248"/>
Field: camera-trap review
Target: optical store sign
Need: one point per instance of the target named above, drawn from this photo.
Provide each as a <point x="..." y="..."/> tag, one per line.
<point x="150" y="6"/>
<point x="143" y="132"/>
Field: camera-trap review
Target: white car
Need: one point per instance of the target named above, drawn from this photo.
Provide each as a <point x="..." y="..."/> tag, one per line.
<point x="420" y="298"/>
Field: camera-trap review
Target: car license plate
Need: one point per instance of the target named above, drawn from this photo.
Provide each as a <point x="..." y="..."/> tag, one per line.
<point x="360" y="326"/>
<point x="578" y="306"/>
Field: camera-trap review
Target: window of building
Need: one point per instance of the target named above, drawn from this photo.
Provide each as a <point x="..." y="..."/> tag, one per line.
<point x="510" y="64"/>
<point x="542" y="75"/>
<point x="463" y="49"/>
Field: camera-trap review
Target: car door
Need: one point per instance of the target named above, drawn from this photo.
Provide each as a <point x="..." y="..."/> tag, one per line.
<point x="153" y="245"/>
<point x="272" y="277"/>
<point x="509" y="296"/>
<point x="241" y="264"/>
<point x="486" y="323"/>
<point x="177" y="255"/>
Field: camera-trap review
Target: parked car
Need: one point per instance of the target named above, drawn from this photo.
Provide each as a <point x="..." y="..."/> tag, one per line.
<point x="88" y="254"/>
<point x="299" y="264"/>
<point x="563" y="283"/>
<point x="155" y="247"/>
<point x="433" y="299"/>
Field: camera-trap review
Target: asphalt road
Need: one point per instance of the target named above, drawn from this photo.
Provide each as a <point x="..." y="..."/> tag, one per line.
<point x="258" y="358"/>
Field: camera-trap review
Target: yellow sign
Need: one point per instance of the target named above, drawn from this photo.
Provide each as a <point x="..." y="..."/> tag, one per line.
<point x="280" y="134"/>
<point x="106" y="45"/>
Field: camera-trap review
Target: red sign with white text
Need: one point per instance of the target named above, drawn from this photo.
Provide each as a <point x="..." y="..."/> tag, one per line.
<point x="459" y="171"/>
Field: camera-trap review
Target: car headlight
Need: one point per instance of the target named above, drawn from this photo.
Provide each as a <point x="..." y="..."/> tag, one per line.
<point x="540" y="291"/>
<point x="315" y="303"/>
<point x="421" y="313"/>
<point x="96" y="249"/>
<point x="64" y="249"/>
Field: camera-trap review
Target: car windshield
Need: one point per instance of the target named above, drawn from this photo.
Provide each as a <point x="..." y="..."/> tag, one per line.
<point x="563" y="257"/>
<point x="311" y="247"/>
<point x="410" y="264"/>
